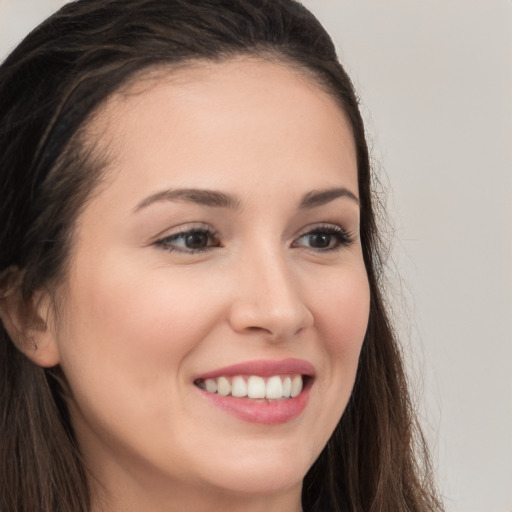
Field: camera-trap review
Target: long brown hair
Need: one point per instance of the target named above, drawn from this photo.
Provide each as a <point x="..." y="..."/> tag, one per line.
<point x="51" y="84"/>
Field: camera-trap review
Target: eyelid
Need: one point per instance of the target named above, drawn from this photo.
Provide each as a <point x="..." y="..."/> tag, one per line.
<point x="165" y="242"/>
<point x="345" y="237"/>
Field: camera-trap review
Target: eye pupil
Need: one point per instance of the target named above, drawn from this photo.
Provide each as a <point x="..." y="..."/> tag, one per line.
<point x="196" y="240"/>
<point x="320" y="240"/>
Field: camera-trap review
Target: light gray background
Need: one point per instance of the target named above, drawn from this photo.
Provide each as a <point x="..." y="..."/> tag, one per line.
<point x="435" y="80"/>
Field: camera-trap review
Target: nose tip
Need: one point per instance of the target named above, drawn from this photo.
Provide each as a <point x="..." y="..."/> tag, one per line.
<point x="270" y="303"/>
<point x="277" y="321"/>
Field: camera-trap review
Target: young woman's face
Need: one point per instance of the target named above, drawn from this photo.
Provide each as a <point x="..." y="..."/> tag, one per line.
<point x="222" y="252"/>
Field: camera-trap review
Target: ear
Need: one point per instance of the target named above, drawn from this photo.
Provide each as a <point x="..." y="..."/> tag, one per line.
<point x="28" y="322"/>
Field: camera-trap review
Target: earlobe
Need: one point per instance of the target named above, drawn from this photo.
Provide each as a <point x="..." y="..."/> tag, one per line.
<point x="27" y="321"/>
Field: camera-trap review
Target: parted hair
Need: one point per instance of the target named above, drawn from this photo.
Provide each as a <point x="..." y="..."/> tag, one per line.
<point x="50" y="86"/>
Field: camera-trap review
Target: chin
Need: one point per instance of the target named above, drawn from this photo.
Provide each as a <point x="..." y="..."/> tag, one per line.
<point x="270" y="471"/>
<point x="261" y="479"/>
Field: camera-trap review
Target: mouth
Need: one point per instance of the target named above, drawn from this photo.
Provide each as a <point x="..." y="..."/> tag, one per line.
<point x="268" y="392"/>
<point x="275" y="387"/>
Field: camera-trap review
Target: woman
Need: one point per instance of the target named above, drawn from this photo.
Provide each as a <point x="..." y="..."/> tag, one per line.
<point x="191" y="311"/>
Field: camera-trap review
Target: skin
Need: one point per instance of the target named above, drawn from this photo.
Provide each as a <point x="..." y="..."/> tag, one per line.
<point x="137" y="320"/>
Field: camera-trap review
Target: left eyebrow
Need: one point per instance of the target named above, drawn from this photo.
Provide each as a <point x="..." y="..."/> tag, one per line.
<point x="317" y="198"/>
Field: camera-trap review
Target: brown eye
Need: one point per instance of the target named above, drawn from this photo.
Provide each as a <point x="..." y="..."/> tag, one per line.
<point x="191" y="241"/>
<point x="321" y="240"/>
<point x="326" y="238"/>
<point x="198" y="240"/>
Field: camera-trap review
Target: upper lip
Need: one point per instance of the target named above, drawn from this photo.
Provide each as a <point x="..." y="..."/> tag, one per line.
<point x="263" y="368"/>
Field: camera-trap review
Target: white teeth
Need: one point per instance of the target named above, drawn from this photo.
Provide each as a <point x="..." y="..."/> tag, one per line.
<point x="273" y="388"/>
<point x="287" y="387"/>
<point x="223" y="386"/>
<point x="211" y="385"/>
<point x="256" y="387"/>
<point x="296" y="386"/>
<point x="239" y="387"/>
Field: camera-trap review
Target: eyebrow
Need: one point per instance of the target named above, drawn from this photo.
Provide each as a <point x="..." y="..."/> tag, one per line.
<point x="317" y="198"/>
<point x="203" y="197"/>
<point x="216" y="199"/>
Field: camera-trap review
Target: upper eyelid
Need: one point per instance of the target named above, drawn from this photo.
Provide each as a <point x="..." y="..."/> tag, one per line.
<point x="323" y="225"/>
<point x="165" y="241"/>
<point x="186" y="228"/>
<point x="208" y="231"/>
<point x="335" y="229"/>
<point x="201" y="226"/>
<point x="187" y="231"/>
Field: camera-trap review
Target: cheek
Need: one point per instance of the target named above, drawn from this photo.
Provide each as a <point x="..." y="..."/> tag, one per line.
<point x="133" y="330"/>
<point x="342" y="315"/>
<point x="151" y="309"/>
<point x="341" y="319"/>
<point x="126" y="343"/>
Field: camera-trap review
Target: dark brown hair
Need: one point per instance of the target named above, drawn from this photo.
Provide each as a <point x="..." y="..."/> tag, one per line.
<point x="50" y="86"/>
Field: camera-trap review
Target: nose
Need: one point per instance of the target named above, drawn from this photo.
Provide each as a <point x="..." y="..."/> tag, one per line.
<point x="268" y="299"/>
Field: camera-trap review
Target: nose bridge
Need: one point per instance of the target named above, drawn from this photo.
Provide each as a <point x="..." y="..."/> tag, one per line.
<point x="268" y="296"/>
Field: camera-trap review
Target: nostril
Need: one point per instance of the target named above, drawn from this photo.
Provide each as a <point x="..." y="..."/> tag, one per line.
<point x="276" y="311"/>
<point x="258" y="329"/>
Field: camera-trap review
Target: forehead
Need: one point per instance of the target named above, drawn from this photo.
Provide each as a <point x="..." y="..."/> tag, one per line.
<point x="233" y="119"/>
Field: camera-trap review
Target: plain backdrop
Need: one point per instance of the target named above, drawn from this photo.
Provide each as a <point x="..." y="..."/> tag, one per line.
<point x="435" y="80"/>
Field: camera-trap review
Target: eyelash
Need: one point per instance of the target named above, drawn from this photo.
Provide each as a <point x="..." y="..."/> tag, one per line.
<point x="341" y="239"/>
<point x="167" y="242"/>
<point x="341" y="236"/>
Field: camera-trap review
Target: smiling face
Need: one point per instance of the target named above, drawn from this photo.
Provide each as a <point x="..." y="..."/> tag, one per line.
<point x="221" y="257"/>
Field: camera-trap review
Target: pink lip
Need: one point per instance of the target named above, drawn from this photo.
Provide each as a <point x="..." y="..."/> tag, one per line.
<point x="262" y="411"/>
<point x="263" y="368"/>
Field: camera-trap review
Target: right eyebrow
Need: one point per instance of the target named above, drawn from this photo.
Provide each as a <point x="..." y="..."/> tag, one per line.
<point x="205" y="197"/>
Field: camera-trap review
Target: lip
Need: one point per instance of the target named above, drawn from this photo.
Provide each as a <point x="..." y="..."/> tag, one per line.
<point x="263" y="368"/>
<point x="262" y="411"/>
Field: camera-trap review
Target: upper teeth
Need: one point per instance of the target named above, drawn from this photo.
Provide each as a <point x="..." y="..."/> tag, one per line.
<point x="253" y="386"/>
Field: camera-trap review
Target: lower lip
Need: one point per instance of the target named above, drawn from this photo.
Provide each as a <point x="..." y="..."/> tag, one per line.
<point x="261" y="411"/>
